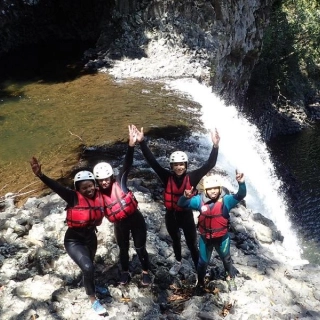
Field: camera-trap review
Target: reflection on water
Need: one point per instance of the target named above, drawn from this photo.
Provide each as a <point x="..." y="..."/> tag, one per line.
<point x="51" y="117"/>
<point x="299" y="154"/>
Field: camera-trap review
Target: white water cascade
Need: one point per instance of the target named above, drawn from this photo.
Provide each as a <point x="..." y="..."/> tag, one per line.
<point x="241" y="147"/>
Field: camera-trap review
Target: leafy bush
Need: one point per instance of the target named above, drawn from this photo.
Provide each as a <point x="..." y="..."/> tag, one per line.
<point x="289" y="67"/>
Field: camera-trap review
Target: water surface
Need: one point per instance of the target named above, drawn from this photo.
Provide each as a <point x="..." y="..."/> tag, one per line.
<point x="298" y="154"/>
<point x="51" y="107"/>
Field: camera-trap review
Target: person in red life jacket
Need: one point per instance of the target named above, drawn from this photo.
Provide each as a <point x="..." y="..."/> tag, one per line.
<point x="85" y="212"/>
<point x="121" y="208"/>
<point x="214" y="206"/>
<point x="175" y="182"/>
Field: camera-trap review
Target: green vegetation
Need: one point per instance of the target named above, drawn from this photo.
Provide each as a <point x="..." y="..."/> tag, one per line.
<point x="288" y="71"/>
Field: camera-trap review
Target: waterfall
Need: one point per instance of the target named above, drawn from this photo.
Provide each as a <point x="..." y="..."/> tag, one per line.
<point x="241" y="147"/>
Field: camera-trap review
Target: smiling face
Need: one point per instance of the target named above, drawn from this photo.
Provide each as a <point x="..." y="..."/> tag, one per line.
<point x="105" y="183"/>
<point x="179" y="168"/>
<point x="87" y="188"/>
<point x="213" y="193"/>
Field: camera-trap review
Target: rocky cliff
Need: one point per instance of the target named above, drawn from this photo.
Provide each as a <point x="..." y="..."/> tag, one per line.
<point x="212" y="40"/>
<point x="25" y="22"/>
<point x="227" y="35"/>
<point x="224" y="36"/>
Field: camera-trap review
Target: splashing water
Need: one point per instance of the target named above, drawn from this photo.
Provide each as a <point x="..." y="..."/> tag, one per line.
<point x="241" y="147"/>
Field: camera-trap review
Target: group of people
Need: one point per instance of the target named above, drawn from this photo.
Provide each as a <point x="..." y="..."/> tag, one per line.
<point x="100" y="194"/>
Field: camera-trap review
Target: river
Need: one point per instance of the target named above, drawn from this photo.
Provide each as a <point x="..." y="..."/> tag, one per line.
<point x="50" y="107"/>
<point x="299" y="155"/>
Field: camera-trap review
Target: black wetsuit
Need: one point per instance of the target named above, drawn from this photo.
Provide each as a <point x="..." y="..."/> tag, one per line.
<point x="134" y="222"/>
<point x="181" y="219"/>
<point x="80" y="243"/>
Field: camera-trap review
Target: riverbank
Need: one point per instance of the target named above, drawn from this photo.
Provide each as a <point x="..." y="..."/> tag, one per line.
<point x="57" y="118"/>
<point x="39" y="280"/>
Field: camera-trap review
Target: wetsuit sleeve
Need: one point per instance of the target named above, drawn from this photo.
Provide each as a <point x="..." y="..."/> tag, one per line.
<point x="162" y="173"/>
<point x="242" y="191"/>
<point x="65" y="193"/>
<point x="196" y="175"/>
<point x="124" y="172"/>
<point x="230" y="201"/>
<point x="192" y="203"/>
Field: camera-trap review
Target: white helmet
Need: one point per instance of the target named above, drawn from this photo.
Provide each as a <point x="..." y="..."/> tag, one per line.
<point x="102" y="170"/>
<point x="178" y="156"/>
<point x="211" y="182"/>
<point x="83" y="175"/>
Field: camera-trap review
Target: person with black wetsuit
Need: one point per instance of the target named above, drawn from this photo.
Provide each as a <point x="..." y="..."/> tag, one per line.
<point x="121" y="208"/>
<point x="175" y="182"/>
<point x="84" y="213"/>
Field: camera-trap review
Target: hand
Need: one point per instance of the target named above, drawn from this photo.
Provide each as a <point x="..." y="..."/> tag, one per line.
<point x="239" y="176"/>
<point x="188" y="193"/>
<point x="132" y="136"/>
<point x="215" y="137"/>
<point x="139" y="134"/>
<point x="35" y="166"/>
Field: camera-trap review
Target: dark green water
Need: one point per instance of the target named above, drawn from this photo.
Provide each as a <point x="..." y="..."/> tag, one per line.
<point x="50" y="107"/>
<point x="299" y="155"/>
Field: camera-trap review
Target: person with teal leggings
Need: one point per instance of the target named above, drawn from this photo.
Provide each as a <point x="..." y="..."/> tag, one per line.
<point x="214" y="206"/>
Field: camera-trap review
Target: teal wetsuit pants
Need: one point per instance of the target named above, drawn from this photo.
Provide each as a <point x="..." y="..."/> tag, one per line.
<point x="206" y="246"/>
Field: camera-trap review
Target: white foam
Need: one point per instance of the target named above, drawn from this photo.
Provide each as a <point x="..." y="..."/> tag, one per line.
<point x="242" y="147"/>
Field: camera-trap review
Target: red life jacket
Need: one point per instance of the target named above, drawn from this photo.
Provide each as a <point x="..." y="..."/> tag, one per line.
<point x="211" y="223"/>
<point x="172" y="193"/>
<point x="88" y="212"/>
<point x="119" y="205"/>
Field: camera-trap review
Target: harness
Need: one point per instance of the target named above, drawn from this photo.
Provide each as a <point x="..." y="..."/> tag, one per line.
<point x="119" y="205"/>
<point x="88" y="212"/>
<point x="211" y="223"/>
<point x="172" y="193"/>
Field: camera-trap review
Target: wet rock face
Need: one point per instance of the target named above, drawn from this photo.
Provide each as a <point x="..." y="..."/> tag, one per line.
<point x="31" y="21"/>
<point x="226" y="33"/>
<point x="242" y="25"/>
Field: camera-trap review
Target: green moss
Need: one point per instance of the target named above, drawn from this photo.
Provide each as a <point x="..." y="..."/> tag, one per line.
<point x="288" y="69"/>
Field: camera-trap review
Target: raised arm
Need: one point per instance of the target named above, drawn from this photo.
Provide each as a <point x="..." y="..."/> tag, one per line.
<point x="196" y="175"/>
<point x="65" y="193"/>
<point x="162" y="173"/>
<point x="36" y="167"/>
<point x="230" y="201"/>
<point x="242" y="192"/>
<point x="189" y="201"/>
<point x="215" y="138"/>
<point x="128" y="160"/>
